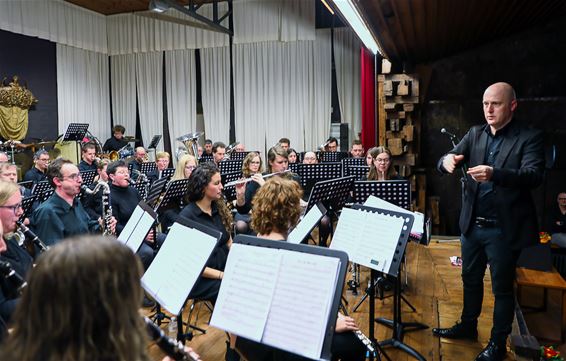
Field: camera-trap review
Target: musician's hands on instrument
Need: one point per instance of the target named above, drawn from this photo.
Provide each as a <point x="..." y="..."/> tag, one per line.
<point x="450" y="161"/>
<point x="26" y="221"/>
<point x="258" y="178"/>
<point x="240" y="193"/>
<point x="188" y="349"/>
<point x="345" y="323"/>
<point x="481" y="173"/>
<point x="150" y="238"/>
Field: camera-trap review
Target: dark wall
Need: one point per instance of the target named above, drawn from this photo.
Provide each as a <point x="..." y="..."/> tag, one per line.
<point x="33" y="60"/>
<point x="533" y="63"/>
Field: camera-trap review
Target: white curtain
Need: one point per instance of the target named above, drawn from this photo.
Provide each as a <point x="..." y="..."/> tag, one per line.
<point x="215" y="80"/>
<point x="273" y="92"/>
<point x="149" y="75"/>
<point x="180" y="83"/>
<point x="347" y="59"/>
<point x="123" y="82"/>
<point x="82" y="90"/>
<point x="318" y="130"/>
<point x="57" y="21"/>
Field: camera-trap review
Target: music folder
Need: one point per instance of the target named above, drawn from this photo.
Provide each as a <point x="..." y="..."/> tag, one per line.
<point x="138" y="226"/>
<point x="283" y="295"/>
<point x="179" y="263"/>
<point x="307" y="224"/>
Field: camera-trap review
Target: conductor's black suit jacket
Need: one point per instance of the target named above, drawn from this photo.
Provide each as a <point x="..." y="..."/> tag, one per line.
<point x="518" y="169"/>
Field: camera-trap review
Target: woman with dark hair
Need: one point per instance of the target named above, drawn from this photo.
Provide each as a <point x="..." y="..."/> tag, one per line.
<point x="276" y="209"/>
<point x="99" y="321"/>
<point x="292" y="155"/>
<point x="381" y="167"/>
<point x="206" y="205"/>
<point x="252" y="167"/>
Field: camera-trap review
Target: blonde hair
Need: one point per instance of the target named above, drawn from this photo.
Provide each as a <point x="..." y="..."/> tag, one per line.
<point x="180" y="170"/>
<point x="161" y="155"/>
<point x="7" y="189"/>
<point x="246" y="164"/>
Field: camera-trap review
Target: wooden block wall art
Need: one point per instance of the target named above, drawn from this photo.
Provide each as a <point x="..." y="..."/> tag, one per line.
<point x="389" y="106"/>
<point x="385" y="66"/>
<point x="408" y="132"/>
<point x="403" y="88"/>
<point x="395" y="145"/>
<point x="388" y="88"/>
<point x="408" y="107"/>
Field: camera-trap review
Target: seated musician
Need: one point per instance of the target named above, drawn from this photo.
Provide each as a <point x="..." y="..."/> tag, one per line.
<point x="124" y="200"/>
<point x="240" y="148"/>
<point x="93" y="202"/>
<point x="206" y="206"/>
<point x="63" y="215"/>
<point x="292" y="155"/>
<point x="37" y="173"/>
<point x="276" y="210"/>
<point x="185" y="166"/>
<point x="371" y="153"/>
<point x="284" y="143"/>
<point x="251" y="166"/>
<point x="117" y="141"/>
<point x="162" y="162"/>
<point x="331" y="145"/>
<point x="218" y="152"/>
<point x="357" y="150"/>
<point x="208" y="147"/>
<point x="100" y="320"/>
<point x="135" y="163"/>
<point x="10" y="251"/>
<point x="381" y="167"/>
<point x="88" y="154"/>
<point x="9" y="173"/>
<point x="556" y="223"/>
<point x="310" y="158"/>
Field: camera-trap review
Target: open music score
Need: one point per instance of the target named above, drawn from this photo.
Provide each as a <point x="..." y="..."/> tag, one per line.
<point x="138" y="226"/>
<point x="418" y="225"/>
<point x="307" y="224"/>
<point x="264" y="286"/>
<point x="179" y="263"/>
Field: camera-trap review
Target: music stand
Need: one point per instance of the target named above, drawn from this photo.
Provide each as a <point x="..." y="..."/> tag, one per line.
<point x="167" y="172"/>
<point x="230" y="166"/>
<point x="304" y="228"/>
<point x="294" y="167"/>
<point x="148" y="167"/>
<point x="27" y="206"/>
<point x="175" y="190"/>
<point x="26" y="184"/>
<point x="42" y="190"/>
<point x="332" y="157"/>
<point x="206" y="158"/>
<point x="155" y="191"/>
<point x="88" y="176"/>
<point x="397" y="192"/>
<point x="312" y="173"/>
<point x="154" y="141"/>
<point x="230" y="191"/>
<point x="346" y="162"/>
<point x="239" y="155"/>
<point x="358" y="171"/>
<point x="75" y="133"/>
<point x="142" y="187"/>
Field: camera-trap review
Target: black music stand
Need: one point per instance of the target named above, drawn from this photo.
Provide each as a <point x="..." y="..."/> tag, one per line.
<point x="205" y="158"/>
<point x="154" y="141"/>
<point x="332" y="157"/>
<point x="75" y="133"/>
<point x="347" y="162"/>
<point x="167" y="172"/>
<point x="142" y="187"/>
<point x="239" y="155"/>
<point x="175" y="189"/>
<point x="27" y="206"/>
<point x="42" y="190"/>
<point x="294" y="167"/>
<point x="312" y="173"/>
<point x="26" y="184"/>
<point x="148" y="167"/>
<point x="230" y="166"/>
<point x="358" y="171"/>
<point x="230" y="191"/>
<point x="155" y="191"/>
<point x="88" y="176"/>
<point x="397" y="192"/>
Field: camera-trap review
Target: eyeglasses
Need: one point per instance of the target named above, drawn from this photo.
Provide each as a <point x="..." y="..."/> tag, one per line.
<point x="255" y="162"/>
<point x="190" y="167"/>
<point x="74" y="176"/>
<point x="380" y="160"/>
<point x="14" y="208"/>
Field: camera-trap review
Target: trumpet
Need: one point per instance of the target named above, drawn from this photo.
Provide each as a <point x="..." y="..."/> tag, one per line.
<point x="32" y="236"/>
<point x="246" y="180"/>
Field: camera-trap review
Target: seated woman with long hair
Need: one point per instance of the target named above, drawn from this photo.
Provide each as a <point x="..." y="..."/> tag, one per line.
<point x="381" y="167"/>
<point x="251" y="166"/>
<point x="81" y="304"/>
<point x="206" y="205"/>
<point x="276" y="209"/>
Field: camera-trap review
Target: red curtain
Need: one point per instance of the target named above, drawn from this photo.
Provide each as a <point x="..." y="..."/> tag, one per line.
<point x="368" y="97"/>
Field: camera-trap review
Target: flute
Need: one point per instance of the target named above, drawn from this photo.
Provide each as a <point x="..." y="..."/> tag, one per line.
<point x="246" y="180"/>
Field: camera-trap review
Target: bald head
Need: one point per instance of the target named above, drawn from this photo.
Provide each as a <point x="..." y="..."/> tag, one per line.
<point x="499" y="103"/>
<point x="505" y="89"/>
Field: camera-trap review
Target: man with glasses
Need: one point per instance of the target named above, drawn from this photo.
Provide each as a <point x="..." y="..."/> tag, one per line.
<point x="63" y="215"/>
<point x="37" y="172"/>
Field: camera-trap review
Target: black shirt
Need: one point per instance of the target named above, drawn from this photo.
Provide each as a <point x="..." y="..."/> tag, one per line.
<point x="251" y="189"/>
<point x="114" y="144"/>
<point x="219" y="255"/>
<point x="123" y="200"/>
<point x="21" y="263"/>
<point x="485" y="204"/>
<point x="85" y="166"/>
<point x="557" y="221"/>
<point x="35" y="175"/>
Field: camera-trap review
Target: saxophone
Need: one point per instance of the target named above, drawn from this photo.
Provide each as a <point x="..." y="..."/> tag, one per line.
<point x="106" y="205"/>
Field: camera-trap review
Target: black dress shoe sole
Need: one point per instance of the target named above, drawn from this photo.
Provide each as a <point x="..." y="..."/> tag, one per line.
<point x="455" y="337"/>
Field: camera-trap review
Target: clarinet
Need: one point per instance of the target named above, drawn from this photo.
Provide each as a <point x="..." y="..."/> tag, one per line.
<point x="106" y="205"/>
<point x="12" y="276"/>
<point x="30" y="235"/>
<point x="173" y="348"/>
<point x="365" y="340"/>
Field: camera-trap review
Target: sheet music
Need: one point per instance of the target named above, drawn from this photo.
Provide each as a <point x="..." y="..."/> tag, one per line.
<point x="131" y="225"/>
<point x="178" y="265"/>
<point x="370" y="239"/>
<point x="307" y="283"/>
<point x="418" y="223"/>
<point x="247" y="289"/>
<point x="304" y="227"/>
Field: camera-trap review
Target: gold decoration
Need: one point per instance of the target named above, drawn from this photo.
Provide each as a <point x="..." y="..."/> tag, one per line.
<point x="15" y="101"/>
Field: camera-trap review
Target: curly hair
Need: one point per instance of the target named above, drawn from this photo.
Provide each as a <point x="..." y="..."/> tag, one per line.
<point x="246" y="164"/>
<point x="276" y="206"/>
<point x="99" y="321"/>
<point x="198" y="181"/>
<point x="372" y="174"/>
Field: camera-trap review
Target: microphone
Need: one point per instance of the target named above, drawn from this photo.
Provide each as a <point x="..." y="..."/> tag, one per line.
<point x="444" y="131"/>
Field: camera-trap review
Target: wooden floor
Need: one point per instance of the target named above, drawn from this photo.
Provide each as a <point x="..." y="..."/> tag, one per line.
<point x="434" y="289"/>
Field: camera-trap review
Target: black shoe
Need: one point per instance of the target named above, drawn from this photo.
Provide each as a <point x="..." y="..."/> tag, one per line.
<point x="493" y="352"/>
<point x="147" y="302"/>
<point x="458" y="331"/>
<point x="231" y="354"/>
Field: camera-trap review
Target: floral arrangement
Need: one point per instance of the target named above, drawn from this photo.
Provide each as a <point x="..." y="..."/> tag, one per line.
<point x="549" y="353"/>
<point x="544" y="237"/>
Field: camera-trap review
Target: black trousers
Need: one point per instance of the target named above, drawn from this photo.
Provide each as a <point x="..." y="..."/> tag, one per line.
<point x="483" y="245"/>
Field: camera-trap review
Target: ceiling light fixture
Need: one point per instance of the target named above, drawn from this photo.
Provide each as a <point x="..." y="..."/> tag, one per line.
<point x="158" y="6"/>
<point x="352" y="15"/>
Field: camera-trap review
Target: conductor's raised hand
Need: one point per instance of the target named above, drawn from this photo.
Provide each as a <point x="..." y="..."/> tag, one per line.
<point x="481" y="173"/>
<point x="450" y="161"/>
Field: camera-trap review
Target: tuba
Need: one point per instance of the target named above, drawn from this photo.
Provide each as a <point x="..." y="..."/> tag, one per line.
<point x="190" y="145"/>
